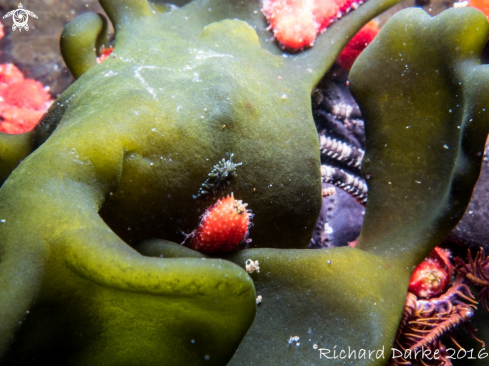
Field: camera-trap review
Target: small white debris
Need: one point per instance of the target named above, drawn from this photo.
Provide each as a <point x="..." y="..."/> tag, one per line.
<point x="155" y="130"/>
<point x="252" y="266"/>
<point x="461" y="4"/>
<point x="3" y="220"/>
<point x="258" y="299"/>
<point x="342" y="110"/>
<point x="327" y="229"/>
<point x="293" y="339"/>
<point x="330" y="191"/>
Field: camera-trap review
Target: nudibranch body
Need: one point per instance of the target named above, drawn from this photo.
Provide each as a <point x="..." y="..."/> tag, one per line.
<point x="119" y="158"/>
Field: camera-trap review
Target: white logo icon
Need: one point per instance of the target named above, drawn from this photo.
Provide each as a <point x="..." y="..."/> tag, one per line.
<point x="20" y="17"/>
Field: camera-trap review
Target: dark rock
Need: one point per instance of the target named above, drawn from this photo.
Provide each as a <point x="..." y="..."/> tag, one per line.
<point x="339" y="222"/>
<point x="473" y="229"/>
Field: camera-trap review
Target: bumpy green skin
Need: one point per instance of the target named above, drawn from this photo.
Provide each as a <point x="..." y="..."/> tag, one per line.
<point x="345" y="297"/>
<point x="340" y="297"/>
<point x="13" y="149"/>
<point x="81" y="41"/>
<point x="120" y="155"/>
<point x="135" y="137"/>
<point x="426" y="118"/>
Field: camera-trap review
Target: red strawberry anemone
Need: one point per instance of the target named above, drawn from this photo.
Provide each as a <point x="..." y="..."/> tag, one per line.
<point x="296" y="23"/>
<point x="432" y="277"/>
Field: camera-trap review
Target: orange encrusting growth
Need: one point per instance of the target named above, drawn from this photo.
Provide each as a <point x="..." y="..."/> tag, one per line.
<point x="358" y="43"/>
<point x="222" y="228"/>
<point x="296" y="23"/>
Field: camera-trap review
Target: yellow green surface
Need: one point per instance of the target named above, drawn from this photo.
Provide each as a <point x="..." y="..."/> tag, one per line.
<point x="123" y="151"/>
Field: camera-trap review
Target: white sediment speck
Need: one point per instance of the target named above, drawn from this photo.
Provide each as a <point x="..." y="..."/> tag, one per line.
<point x="461" y="4"/>
<point x="294" y="339"/>
<point x="252" y="266"/>
<point x="327" y="229"/>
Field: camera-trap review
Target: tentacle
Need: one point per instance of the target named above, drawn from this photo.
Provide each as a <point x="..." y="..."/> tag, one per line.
<point x="121" y="11"/>
<point x="80" y="41"/>
<point x="13" y="149"/>
<point x="434" y="196"/>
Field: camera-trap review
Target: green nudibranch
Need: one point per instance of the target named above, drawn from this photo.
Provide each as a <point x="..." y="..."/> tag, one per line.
<point x="120" y="156"/>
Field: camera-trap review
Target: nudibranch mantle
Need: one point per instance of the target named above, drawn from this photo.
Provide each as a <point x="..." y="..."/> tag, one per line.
<point x="118" y="159"/>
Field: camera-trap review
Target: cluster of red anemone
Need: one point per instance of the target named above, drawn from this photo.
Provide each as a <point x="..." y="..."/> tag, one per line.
<point x="23" y="101"/>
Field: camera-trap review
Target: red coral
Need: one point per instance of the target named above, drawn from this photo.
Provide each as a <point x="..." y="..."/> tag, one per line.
<point x="432" y="277"/>
<point x="19" y="120"/>
<point x="426" y="323"/>
<point x="10" y="74"/>
<point x="27" y="93"/>
<point x="296" y="23"/>
<point x="482" y="5"/>
<point x="23" y="102"/>
<point x="358" y="43"/>
<point x="104" y="54"/>
<point x="223" y="227"/>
